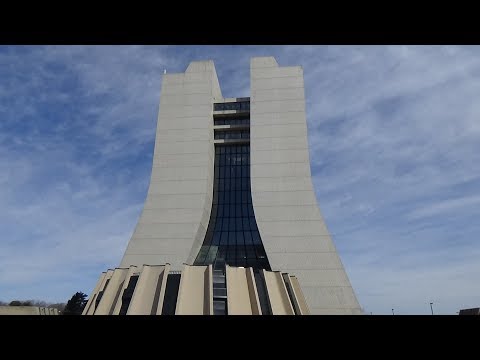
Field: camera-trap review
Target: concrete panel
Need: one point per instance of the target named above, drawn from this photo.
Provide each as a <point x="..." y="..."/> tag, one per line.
<point x="242" y="295"/>
<point x="280" y="156"/>
<point x="88" y="309"/>
<point x="292" y="228"/>
<point x="169" y="216"/>
<point x="195" y="293"/>
<point x="174" y="201"/>
<point x="179" y="173"/>
<point x="112" y="292"/>
<point x="299" y="302"/>
<point x="293" y="232"/>
<point x="205" y="218"/>
<point x="172" y="79"/>
<point x="301" y="244"/>
<point x="286" y="143"/>
<point x="173" y="187"/>
<point x="276" y="83"/>
<point x="262" y="199"/>
<point x="282" y="131"/>
<point x="288" y="118"/>
<point x="188" y="100"/>
<point x="266" y="73"/>
<point x="263" y="62"/>
<point x="303" y="213"/>
<point x="153" y="257"/>
<point x="290" y="183"/>
<point x="321" y="277"/>
<point x="180" y="160"/>
<point x="182" y="89"/>
<point x="337" y="311"/>
<point x="300" y="169"/>
<point x="277" y="106"/>
<point x="277" y="293"/>
<point x="118" y="305"/>
<point x="198" y="241"/>
<point x="191" y="147"/>
<point x="252" y="289"/>
<point x="165" y="246"/>
<point x="179" y="135"/>
<point x="149" y="291"/>
<point x="165" y="231"/>
<point x="181" y="111"/>
<point x="276" y="94"/>
<point x="199" y="77"/>
<point x="310" y="260"/>
<point x="338" y="299"/>
<point x="105" y="279"/>
<point x="184" y="123"/>
<point x="200" y="66"/>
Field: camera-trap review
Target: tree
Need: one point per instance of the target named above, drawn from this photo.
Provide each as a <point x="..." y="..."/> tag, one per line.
<point x="39" y="303"/>
<point x="20" y="303"/>
<point x="76" y="304"/>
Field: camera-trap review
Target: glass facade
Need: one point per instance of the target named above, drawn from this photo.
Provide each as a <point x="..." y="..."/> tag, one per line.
<point x="239" y="134"/>
<point x="231" y="121"/>
<point x="238" y="106"/>
<point x="232" y="236"/>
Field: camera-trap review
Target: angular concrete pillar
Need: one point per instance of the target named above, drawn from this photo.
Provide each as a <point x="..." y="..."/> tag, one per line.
<point x="148" y="296"/>
<point x="112" y="292"/>
<point x="195" y="294"/>
<point x="242" y="295"/>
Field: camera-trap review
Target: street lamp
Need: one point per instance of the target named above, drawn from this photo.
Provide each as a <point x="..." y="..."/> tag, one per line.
<point x="393" y="313"/>
<point x="431" y="307"/>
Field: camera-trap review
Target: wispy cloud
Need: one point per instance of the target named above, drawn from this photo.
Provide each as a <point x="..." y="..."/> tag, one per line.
<point x="445" y="206"/>
<point x="394" y="147"/>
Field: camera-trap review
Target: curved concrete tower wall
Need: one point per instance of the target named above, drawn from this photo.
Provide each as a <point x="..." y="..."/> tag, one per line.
<point x="175" y="216"/>
<point x="294" y="234"/>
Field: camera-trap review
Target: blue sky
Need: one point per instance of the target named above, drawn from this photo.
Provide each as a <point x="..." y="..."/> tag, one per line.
<point x="394" y="137"/>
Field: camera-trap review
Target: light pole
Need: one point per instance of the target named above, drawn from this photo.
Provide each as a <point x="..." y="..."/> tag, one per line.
<point x="431" y="307"/>
<point x="393" y="313"/>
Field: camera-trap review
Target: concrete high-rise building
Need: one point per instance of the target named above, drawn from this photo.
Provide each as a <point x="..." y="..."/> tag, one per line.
<point x="230" y="212"/>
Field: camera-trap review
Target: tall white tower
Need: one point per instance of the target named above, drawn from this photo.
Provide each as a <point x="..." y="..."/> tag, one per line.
<point x="231" y="188"/>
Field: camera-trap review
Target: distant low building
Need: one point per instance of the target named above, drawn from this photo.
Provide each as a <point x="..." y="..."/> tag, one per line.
<point x="472" y="311"/>
<point x="27" y="310"/>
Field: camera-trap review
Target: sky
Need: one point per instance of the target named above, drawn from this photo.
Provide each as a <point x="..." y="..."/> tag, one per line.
<point x="394" y="142"/>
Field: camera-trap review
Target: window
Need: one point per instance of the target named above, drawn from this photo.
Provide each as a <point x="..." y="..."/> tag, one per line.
<point x="220" y="307"/>
<point x="232" y="235"/>
<point x="237" y="134"/>
<point x="234" y="121"/>
<point x="238" y="106"/>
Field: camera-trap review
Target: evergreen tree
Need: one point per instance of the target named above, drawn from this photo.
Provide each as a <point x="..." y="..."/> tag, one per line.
<point x="76" y="304"/>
